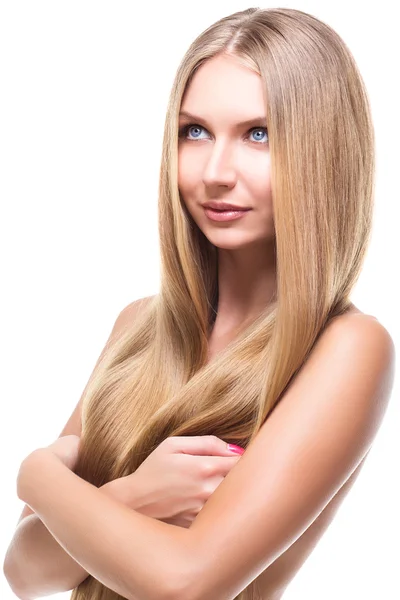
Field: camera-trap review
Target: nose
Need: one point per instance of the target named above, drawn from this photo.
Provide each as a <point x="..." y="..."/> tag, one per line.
<point x="219" y="169"/>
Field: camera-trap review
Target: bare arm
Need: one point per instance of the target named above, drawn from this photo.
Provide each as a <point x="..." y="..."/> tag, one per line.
<point x="78" y="515"/>
<point x="35" y="564"/>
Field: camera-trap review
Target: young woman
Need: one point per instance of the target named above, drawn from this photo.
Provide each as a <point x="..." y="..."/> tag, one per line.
<point x="265" y="213"/>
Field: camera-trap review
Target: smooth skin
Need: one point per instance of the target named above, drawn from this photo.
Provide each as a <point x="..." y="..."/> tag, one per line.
<point x="307" y="449"/>
<point x="34" y="559"/>
<point x="219" y="159"/>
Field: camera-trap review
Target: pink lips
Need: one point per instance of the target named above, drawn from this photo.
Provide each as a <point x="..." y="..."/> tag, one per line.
<point x="225" y="215"/>
<point x="220" y="205"/>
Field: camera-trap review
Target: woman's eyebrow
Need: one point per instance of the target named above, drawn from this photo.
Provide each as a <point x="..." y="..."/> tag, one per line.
<point x="247" y="123"/>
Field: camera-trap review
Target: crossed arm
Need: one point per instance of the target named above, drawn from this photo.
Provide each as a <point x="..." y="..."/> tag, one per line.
<point x="308" y="447"/>
<point x="120" y="547"/>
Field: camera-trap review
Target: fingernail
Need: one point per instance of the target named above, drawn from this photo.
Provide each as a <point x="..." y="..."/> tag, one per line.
<point x="236" y="449"/>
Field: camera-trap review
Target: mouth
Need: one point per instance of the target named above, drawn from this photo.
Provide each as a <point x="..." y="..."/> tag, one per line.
<point x="224" y="206"/>
<point x="224" y="210"/>
<point x="225" y="215"/>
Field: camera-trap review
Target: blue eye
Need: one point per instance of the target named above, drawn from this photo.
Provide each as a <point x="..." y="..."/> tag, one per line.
<point x="258" y="129"/>
<point x="183" y="131"/>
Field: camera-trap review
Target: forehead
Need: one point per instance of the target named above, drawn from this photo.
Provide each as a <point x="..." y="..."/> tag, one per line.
<point x="223" y="85"/>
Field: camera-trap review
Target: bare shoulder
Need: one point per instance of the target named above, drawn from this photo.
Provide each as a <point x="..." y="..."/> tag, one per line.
<point x="364" y="326"/>
<point x="137" y="305"/>
<point x="142" y="302"/>
<point x="356" y="335"/>
<point x="128" y="314"/>
<point x="354" y="356"/>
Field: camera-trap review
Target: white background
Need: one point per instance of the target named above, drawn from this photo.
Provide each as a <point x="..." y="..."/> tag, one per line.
<point x="84" y="90"/>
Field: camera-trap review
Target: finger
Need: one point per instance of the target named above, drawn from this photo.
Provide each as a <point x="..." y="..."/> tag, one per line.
<point x="225" y="464"/>
<point x="200" y="445"/>
<point x="218" y="465"/>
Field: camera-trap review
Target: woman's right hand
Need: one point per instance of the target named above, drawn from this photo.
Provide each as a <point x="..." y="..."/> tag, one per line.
<point x="177" y="478"/>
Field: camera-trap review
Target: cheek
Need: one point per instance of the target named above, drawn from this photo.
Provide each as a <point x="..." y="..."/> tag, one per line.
<point x="256" y="175"/>
<point x="188" y="173"/>
<point x="262" y="189"/>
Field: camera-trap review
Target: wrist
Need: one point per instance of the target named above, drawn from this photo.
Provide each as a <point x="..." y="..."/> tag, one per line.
<point x="117" y="490"/>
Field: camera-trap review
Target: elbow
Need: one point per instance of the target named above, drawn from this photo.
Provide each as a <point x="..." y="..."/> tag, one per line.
<point x="174" y="593"/>
<point x="161" y="588"/>
<point x="180" y="588"/>
<point x="9" y="574"/>
<point x="168" y="586"/>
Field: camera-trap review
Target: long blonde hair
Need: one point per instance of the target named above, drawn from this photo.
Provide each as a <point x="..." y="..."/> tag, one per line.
<point x="155" y="382"/>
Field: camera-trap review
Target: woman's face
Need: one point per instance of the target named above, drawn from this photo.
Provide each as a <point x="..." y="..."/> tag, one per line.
<point x="222" y="158"/>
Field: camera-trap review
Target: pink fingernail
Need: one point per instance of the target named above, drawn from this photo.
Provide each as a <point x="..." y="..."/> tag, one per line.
<point x="236" y="449"/>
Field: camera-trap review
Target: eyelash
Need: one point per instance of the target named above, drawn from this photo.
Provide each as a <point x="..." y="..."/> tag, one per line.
<point x="185" y="128"/>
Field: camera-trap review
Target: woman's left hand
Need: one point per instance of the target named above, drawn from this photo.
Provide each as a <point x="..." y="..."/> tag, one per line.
<point x="66" y="448"/>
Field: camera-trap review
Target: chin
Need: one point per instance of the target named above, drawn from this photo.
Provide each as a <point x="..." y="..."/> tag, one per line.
<point x="229" y="244"/>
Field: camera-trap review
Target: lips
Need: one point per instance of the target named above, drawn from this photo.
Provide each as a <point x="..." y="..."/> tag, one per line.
<point x="224" y="206"/>
<point x="228" y="209"/>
